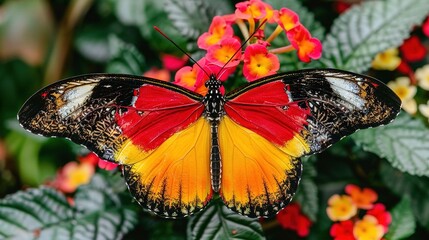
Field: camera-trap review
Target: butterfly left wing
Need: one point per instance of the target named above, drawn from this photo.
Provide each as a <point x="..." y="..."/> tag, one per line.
<point x="284" y="117"/>
<point x="153" y="128"/>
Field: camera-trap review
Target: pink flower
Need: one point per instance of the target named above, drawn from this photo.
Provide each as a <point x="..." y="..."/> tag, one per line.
<point x="307" y="46"/>
<point x="218" y="30"/>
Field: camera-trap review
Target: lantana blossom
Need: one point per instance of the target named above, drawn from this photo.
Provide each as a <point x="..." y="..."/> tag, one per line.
<point x="368" y="229"/>
<point x="292" y="218"/>
<point x="341" y="207"/>
<point x="406" y="92"/>
<point x="258" y="62"/>
<point x="260" y="57"/>
<point x="422" y="76"/>
<point x="387" y="60"/>
<point x="363" y="198"/>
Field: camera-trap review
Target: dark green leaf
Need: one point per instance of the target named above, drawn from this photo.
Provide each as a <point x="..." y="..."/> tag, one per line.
<point x="404" y="143"/>
<point x="369" y="28"/>
<point x="218" y="222"/>
<point x="415" y="188"/>
<point x="125" y="58"/>
<point x="403" y="222"/>
<point x="306" y="195"/>
<point x="44" y="213"/>
<point x="193" y="17"/>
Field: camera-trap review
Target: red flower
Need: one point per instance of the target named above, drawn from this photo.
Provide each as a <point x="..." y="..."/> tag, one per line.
<point x="173" y="63"/>
<point x="383" y="217"/>
<point x="258" y="62"/>
<point x="341" y="6"/>
<point x="106" y="165"/>
<point x="292" y="218"/>
<point x="412" y="49"/>
<point x="307" y="46"/>
<point x="342" y="230"/>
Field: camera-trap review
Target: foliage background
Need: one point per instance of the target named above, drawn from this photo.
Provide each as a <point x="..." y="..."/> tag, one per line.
<point x="43" y="41"/>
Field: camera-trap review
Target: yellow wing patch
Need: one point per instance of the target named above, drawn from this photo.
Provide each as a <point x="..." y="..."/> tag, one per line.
<point x="173" y="180"/>
<point x="258" y="177"/>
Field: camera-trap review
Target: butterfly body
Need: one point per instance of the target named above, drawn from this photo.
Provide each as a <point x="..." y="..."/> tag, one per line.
<point x="179" y="148"/>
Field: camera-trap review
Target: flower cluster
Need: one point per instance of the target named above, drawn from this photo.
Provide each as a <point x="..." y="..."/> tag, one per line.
<point x="409" y="60"/>
<point x="77" y="173"/>
<point x="346" y="210"/>
<point x="292" y="218"/>
<point x="223" y="47"/>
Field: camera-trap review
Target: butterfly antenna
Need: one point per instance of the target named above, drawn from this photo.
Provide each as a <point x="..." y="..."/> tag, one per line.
<point x="183" y="51"/>
<point x="241" y="47"/>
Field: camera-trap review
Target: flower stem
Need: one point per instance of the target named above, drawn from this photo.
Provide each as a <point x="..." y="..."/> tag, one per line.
<point x="285" y="49"/>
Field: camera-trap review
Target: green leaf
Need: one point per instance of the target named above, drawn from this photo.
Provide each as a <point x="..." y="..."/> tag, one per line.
<point x="144" y="14"/>
<point x="193" y="17"/>
<point x="92" y="42"/>
<point x="404" y="143"/>
<point x="369" y="28"/>
<point x="218" y="222"/>
<point x="403" y="222"/>
<point x="306" y="195"/>
<point x="125" y="58"/>
<point x="44" y="213"/>
<point x="415" y="188"/>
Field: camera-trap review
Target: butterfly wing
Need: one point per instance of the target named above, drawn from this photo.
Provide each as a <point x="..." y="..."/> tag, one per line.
<point x="133" y="121"/>
<point x="287" y="116"/>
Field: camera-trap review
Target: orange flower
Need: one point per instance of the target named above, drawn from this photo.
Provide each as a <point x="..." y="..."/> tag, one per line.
<point x="341" y="208"/>
<point x="258" y="62"/>
<point x="72" y="175"/>
<point x="368" y="229"/>
<point x="363" y="198"/>
<point x="307" y="46"/>
<point x="218" y="30"/>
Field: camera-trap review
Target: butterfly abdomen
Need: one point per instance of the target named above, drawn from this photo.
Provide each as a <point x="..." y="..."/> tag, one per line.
<point x="215" y="160"/>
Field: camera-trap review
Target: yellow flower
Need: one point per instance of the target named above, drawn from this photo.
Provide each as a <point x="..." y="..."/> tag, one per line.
<point x="368" y="229"/>
<point x="406" y="92"/>
<point x="388" y="60"/>
<point x="424" y="109"/>
<point x="422" y="76"/>
<point x="341" y="208"/>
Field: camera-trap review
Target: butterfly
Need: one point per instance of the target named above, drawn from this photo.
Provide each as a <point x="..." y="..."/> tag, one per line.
<point x="178" y="149"/>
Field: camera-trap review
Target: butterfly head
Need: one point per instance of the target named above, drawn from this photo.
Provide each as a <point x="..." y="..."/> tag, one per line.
<point x="213" y="83"/>
<point x="214" y="99"/>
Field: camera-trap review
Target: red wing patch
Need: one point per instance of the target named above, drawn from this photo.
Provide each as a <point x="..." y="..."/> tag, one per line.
<point x="157" y="114"/>
<point x="268" y="110"/>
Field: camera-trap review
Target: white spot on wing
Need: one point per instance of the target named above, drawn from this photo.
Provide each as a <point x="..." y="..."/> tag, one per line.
<point x="348" y="91"/>
<point x="74" y="98"/>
